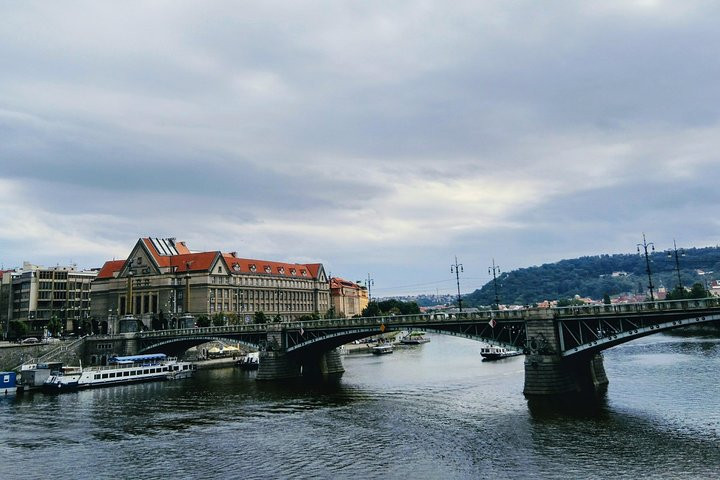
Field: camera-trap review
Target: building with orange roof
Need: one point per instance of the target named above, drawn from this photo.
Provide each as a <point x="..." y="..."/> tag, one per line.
<point x="348" y="298"/>
<point x="164" y="275"/>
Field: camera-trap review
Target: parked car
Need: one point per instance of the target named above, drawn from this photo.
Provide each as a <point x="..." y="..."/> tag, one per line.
<point x="30" y="340"/>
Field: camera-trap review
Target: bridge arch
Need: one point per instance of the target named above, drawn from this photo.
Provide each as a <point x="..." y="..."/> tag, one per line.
<point x="177" y="346"/>
<point x="601" y="334"/>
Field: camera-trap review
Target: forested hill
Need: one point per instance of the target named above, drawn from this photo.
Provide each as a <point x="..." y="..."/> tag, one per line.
<point x="593" y="277"/>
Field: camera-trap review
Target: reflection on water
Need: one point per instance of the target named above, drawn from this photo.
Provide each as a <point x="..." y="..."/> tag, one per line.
<point x="431" y="411"/>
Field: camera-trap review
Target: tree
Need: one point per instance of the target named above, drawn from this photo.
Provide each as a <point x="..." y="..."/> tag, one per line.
<point x="260" y="317"/>
<point x="606" y="299"/>
<point x="678" y="293"/>
<point x="698" y="291"/>
<point x="233" y="318"/>
<point x="18" y="329"/>
<point x="331" y="313"/>
<point x="54" y="326"/>
<point x="277" y="318"/>
<point x="372" y="310"/>
<point x="218" y="320"/>
<point x="203" y="321"/>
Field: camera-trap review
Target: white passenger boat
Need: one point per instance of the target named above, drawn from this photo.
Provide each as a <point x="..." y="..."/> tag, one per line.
<point x="251" y="361"/>
<point x="136" y="368"/>
<point x="382" y="349"/>
<point x="414" y="338"/>
<point x="496" y="353"/>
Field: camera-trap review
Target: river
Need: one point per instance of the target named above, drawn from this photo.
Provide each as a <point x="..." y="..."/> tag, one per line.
<point x="433" y="411"/>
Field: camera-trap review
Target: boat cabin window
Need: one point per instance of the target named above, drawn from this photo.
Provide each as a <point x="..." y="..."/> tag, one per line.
<point x="97" y="376"/>
<point x="104" y="375"/>
<point x="126" y="374"/>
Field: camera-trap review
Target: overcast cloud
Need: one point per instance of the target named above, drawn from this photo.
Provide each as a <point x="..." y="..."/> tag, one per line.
<point x="375" y="137"/>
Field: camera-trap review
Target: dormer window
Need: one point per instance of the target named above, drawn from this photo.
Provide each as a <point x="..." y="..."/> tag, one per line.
<point x="281" y="270"/>
<point x="268" y="269"/>
<point x="303" y="273"/>
<point x="293" y="271"/>
<point x="253" y="267"/>
<point x="236" y="267"/>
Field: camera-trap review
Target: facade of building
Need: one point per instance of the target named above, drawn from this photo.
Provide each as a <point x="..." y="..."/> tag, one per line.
<point x="163" y="278"/>
<point x="348" y="298"/>
<point x="35" y="294"/>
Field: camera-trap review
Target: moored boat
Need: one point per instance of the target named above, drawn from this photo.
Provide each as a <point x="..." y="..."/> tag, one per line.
<point x="382" y="349"/>
<point x="136" y="368"/>
<point x="414" y="338"/>
<point x="251" y="361"/>
<point x="8" y="385"/>
<point x="496" y="353"/>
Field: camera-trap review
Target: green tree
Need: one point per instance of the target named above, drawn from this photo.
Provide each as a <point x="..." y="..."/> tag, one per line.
<point x="18" y="329"/>
<point x="203" y="321"/>
<point x="372" y="310"/>
<point x="54" y="326"/>
<point x="233" y="318"/>
<point x="678" y="293"/>
<point x="260" y="317"/>
<point x="331" y="313"/>
<point x="277" y="318"/>
<point x="218" y="320"/>
<point x="698" y="291"/>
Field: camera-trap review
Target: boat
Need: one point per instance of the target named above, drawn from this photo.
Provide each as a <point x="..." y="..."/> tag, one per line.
<point x="8" y="384"/>
<point x="414" y="338"/>
<point x="251" y="361"/>
<point x="135" y="368"/>
<point x="33" y="375"/>
<point x="496" y="353"/>
<point x="382" y="349"/>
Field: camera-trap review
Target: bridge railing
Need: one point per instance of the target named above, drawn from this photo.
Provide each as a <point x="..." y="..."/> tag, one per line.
<point x="659" y="306"/>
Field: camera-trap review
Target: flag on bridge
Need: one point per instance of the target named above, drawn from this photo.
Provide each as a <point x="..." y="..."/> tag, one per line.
<point x="382" y="327"/>
<point x="492" y="323"/>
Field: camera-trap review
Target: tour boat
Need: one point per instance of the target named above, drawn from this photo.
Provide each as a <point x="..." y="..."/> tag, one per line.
<point x="7" y="383"/>
<point x="414" y="338"/>
<point x="251" y="361"/>
<point x="496" y="353"/>
<point x="136" y="368"/>
<point x="382" y="349"/>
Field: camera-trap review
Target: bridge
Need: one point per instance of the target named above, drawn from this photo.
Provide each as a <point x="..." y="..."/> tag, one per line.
<point x="562" y="346"/>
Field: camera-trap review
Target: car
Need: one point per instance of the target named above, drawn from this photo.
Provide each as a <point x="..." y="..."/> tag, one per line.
<point x="30" y="340"/>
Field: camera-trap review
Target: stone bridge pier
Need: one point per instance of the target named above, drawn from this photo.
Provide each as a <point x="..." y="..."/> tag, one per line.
<point x="547" y="373"/>
<point x="276" y="363"/>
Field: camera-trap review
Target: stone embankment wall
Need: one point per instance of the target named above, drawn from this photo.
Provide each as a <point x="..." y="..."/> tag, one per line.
<point x="14" y="355"/>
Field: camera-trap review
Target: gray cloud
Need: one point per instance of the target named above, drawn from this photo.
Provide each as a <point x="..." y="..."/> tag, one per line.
<point x="373" y="137"/>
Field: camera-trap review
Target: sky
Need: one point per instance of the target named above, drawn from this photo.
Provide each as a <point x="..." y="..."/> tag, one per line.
<point x="382" y="139"/>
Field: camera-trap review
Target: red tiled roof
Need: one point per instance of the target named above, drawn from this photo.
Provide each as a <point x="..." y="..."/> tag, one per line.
<point x="192" y="262"/>
<point x="248" y="265"/>
<point x="109" y="268"/>
<point x="337" y="282"/>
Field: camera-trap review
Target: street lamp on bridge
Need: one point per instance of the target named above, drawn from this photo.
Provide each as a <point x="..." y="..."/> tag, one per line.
<point x="645" y="246"/>
<point x="677" y="253"/>
<point x="456" y="268"/>
<point x="495" y="270"/>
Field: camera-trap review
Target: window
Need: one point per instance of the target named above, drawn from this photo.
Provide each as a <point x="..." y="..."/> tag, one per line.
<point x="97" y="376"/>
<point x="104" y="375"/>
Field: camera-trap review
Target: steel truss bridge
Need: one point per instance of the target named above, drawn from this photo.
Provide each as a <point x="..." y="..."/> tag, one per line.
<point x="579" y="330"/>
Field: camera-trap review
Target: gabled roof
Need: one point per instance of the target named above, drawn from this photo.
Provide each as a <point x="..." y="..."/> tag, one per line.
<point x="167" y="253"/>
<point x="110" y="268"/>
<point x="248" y="265"/>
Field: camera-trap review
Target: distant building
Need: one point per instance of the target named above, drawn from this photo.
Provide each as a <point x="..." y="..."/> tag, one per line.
<point x="348" y="298"/>
<point x="36" y="294"/>
<point x="162" y="276"/>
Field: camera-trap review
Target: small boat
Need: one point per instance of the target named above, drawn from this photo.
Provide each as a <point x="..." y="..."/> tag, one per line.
<point x="8" y="385"/>
<point x="251" y="361"/>
<point x="382" y="349"/>
<point x="33" y="375"/>
<point x="136" y="368"/>
<point x="496" y="353"/>
<point x="414" y="338"/>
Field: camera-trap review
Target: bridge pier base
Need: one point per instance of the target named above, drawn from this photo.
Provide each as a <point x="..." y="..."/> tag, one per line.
<point x="329" y="363"/>
<point x="277" y="365"/>
<point x="547" y="373"/>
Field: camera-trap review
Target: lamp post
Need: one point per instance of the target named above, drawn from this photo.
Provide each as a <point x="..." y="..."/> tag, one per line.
<point x="677" y="253"/>
<point x="369" y="283"/>
<point x="456" y="268"/>
<point x="645" y="246"/>
<point x="495" y="270"/>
